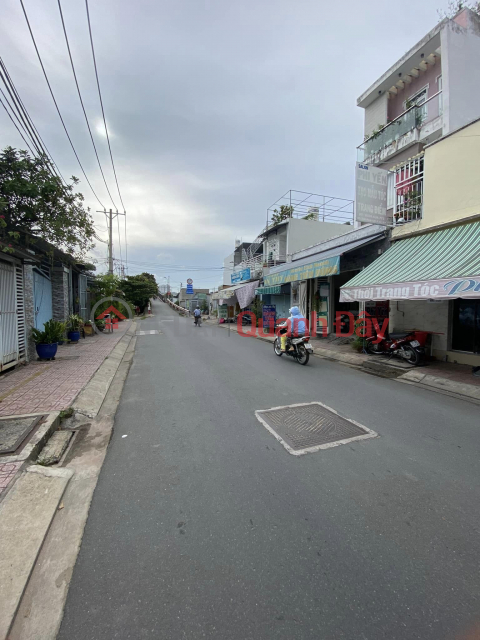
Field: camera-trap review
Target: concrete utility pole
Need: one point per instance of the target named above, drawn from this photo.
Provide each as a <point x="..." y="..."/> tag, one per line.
<point x="110" y="243"/>
<point x="110" y="217"/>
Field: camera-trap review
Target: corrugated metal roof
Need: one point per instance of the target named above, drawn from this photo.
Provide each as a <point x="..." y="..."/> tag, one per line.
<point x="453" y="252"/>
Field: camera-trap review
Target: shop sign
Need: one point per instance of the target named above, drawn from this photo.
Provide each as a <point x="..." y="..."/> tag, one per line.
<point x="371" y="194"/>
<point x="240" y="276"/>
<point x="448" y="288"/>
<point x="268" y="315"/>
<point x="319" y="269"/>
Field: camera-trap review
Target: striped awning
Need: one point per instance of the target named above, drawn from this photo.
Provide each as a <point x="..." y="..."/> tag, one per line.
<point x="264" y="291"/>
<point x="442" y="264"/>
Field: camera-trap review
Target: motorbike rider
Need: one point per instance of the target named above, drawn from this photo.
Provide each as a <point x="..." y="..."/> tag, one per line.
<point x="197" y="314"/>
<point x="297" y="327"/>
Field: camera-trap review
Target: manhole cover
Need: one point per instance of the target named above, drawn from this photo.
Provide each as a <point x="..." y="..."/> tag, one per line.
<point x="304" y="428"/>
<point x="13" y="431"/>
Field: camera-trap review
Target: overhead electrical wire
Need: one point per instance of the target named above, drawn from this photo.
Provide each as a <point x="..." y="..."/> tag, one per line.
<point x="101" y="103"/>
<point x="81" y="102"/>
<point x="14" y="123"/>
<point x="25" y="122"/>
<point x="56" y="105"/>
<point x="8" y="82"/>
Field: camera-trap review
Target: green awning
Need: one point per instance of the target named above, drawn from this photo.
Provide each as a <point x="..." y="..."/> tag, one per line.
<point x="263" y="291"/>
<point x="438" y="264"/>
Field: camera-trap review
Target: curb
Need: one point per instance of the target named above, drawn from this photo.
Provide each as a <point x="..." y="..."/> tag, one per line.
<point x="40" y="610"/>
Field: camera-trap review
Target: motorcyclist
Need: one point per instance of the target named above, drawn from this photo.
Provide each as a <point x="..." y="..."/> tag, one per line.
<point x="197" y="314"/>
<point x="296" y="325"/>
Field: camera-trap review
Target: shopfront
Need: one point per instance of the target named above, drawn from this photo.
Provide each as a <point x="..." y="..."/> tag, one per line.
<point x="432" y="283"/>
<point x="316" y="281"/>
<point x="278" y="297"/>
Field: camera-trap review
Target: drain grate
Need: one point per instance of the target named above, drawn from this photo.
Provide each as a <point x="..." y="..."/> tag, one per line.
<point x="13" y="431"/>
<point x="304" y="428"/>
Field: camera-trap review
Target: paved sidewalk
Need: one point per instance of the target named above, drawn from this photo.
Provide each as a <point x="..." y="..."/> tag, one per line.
<point x="53" y="386"/>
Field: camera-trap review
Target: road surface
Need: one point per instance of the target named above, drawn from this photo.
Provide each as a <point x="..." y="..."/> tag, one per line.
<point x="203" y="526"/>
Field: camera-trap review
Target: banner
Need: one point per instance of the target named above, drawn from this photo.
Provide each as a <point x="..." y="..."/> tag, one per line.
<point x="321" y="268"/>
<point x="371" y="194"/>
<point x="240" y="276"/>
<point x="448" y="288"/>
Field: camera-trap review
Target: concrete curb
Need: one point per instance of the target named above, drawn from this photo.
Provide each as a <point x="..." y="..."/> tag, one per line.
<point x="91" y="398"/>
<point x="25" y="517"/>
<point x="394" y="370"/>
<point x="41" y="609"/>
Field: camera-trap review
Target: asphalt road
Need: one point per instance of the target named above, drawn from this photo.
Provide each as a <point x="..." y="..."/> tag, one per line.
<point x="203" y="526"/>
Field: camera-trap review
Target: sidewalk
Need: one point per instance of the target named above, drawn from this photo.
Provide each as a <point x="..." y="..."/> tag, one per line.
<point x="52" y="386"/>
<point x="45" y="387"/>
<point x="440" y="376"/>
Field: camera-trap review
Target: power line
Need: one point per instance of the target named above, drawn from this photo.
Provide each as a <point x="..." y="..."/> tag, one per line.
<point x="119" y="239"/>
<point x="56" y="105"/>
<point x="101" y="103"/>
<point x="22" y="110"/>
<point x="81" y="102"/>
<point x="14" y="123"/>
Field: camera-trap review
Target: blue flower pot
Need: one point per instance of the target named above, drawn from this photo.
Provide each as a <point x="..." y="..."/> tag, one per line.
<point x="74" y="336"/>
<point x="46" y="351"/>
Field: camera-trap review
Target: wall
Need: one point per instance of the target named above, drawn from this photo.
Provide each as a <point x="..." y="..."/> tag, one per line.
<point x="375" y="114"/>
<point x="228" y="268"/>
<point x="305" y="233"/>
<point x="461" y="71"/>
<point x="60" y="301"/>
<point x="451" y="184"/>
<point x="29" y="309"/>
<point x="423" y="316"/>
<point x="396" y="104"/>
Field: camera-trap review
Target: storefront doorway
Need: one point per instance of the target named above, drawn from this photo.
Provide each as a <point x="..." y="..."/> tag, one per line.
<point x="466" y="326"/>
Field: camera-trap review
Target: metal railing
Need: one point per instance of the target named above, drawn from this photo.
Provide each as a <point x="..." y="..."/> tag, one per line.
<point x="415" y="116"/>
<point x="409" y="190"/>
<point x="310" y="206"/>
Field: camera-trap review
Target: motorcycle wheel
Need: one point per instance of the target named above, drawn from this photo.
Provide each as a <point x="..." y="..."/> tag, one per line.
<point x="277" y="348"/>
<point x="373" y="349"/>
<point x="302" y="355"/>
<point x="412" y="356"/>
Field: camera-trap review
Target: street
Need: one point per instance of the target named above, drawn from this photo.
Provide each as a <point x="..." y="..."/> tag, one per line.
<point x="203" y="526"/>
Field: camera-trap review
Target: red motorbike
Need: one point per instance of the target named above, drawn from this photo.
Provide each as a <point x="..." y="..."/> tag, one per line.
<point x="407" y="346"/>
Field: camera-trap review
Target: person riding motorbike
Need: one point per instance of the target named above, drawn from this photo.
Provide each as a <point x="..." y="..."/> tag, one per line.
<point x="197" y="314"/>
<point x="297" y="325"/>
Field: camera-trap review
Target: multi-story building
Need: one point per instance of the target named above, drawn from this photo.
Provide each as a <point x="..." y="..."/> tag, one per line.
<point x="432" y="90"/>
<point x="431" y="273"/>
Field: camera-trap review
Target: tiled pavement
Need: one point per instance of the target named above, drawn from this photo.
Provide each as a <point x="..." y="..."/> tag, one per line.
<point x="7" y="472"/>
<point x="52" y="386"/>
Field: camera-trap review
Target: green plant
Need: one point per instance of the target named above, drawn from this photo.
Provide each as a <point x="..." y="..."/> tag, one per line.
<point x="52" y="333"/>
<point x="74" y="322"/>
<point x="34" y="202"/>
<point x="286" y="212"/>
<point x="66" y="413"/>
<point x="100" y="322"/>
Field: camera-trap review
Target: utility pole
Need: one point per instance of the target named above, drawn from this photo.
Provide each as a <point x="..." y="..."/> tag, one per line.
<point x="110" y="217"/>
<point x="110" y="244"/>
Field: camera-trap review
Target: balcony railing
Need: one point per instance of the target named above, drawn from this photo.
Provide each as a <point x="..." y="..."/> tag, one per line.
<point x="416" y="117"/>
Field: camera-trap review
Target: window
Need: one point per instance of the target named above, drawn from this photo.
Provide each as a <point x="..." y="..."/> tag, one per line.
<point x="419" y="99"/>
<point x="409" y="190"/>
<point x="390" y="190"/>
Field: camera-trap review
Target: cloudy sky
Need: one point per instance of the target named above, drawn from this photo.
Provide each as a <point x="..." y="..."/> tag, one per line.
<point x="215" y="109"/>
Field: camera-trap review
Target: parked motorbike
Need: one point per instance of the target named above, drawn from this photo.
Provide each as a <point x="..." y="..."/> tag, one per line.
<point x="403" y="345"/>
<point x="298" y="348"/>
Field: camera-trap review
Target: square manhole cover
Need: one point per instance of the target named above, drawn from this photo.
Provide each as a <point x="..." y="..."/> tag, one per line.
<point x="304" y="428"/>
<point x="13" y="431"/>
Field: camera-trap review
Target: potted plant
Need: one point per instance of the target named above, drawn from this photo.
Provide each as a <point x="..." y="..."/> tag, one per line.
<point x="62" y="329"/>
<point x="100" y="324"/>
<point x="74" y="323"/>
<point x="46" y="341"/>
<point x="88" y="328"/>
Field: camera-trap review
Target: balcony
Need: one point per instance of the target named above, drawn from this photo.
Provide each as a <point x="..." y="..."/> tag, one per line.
<point x="414" y="125"/>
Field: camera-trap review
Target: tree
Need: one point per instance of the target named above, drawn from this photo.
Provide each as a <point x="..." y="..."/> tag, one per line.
<point x="33" y="202"/>
<point x="139" y="289"/>
<point x="286" y="212"/>
<point x="454" y="6"/>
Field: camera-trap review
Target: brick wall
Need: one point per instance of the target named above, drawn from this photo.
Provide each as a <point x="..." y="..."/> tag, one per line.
<point x="29" y="309"/>
<point x="60" y="294"/>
